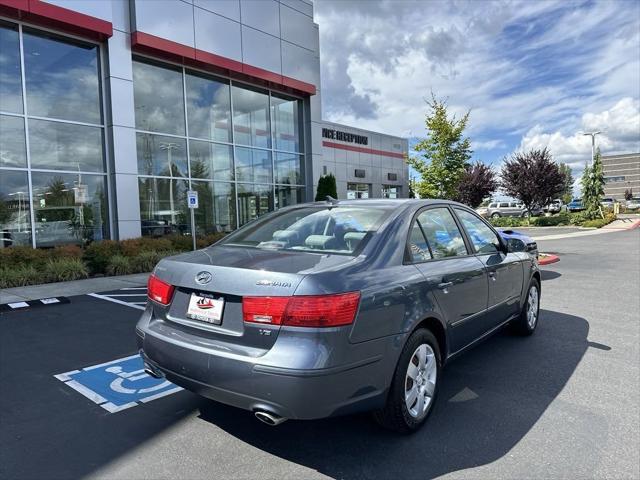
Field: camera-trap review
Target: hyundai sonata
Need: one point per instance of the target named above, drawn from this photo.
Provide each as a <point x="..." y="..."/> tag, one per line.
<point x="336" y="307"/>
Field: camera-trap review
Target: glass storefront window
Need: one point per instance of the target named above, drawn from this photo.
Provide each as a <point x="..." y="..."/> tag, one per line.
<point x="251" y="117"/>
<point x="10" y="75"/>
<point x="253" y="201"/>
<point x="158" y="98"/>
<point x="390" y="191"/>
<point x="208" y="109"/>
<point x="216" y="212"/>
<point x="253" y="165"/>
<point x="62" y="79"/>
<point x="163" y="206"/>
<point x="288" y="168"/>
<point x="13" y="152"/>
<point x="357" y="190"/>
<point x="286" y="123"/>
<point x="211" y="160"/>
<point x="160" y="155"/>
<point x="69" y="208"/>
<point x="286" y="196"/>
<point x="65" y="146"/>
<point x="15" y="212"/>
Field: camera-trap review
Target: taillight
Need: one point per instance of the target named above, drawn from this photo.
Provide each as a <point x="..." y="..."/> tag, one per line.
<point x="159" y="291"/>
<point x="302" y="311"/>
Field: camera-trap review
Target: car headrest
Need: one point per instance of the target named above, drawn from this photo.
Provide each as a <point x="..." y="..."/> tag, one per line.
<point x="288" y="236"/>
<point x="323" y="242"/>
<point x="352" y="239"/>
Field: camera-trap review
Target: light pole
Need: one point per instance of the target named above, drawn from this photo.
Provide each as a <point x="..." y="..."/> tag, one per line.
<point x="593" y="143"/>
<point x="169" y="147"/>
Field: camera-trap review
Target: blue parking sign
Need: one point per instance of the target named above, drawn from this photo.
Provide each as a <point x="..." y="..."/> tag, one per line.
<point x="118" y="384"/>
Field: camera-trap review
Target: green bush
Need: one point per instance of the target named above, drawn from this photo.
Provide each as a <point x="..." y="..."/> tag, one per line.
<point x="562" y="218"/>
<point x="509" y="222"/>
<point x="65" y="269"/>
<point x="66" y="251"/>
<point x="134" y="246"/>
<point x="599" y="222"/>
<point x="20" y="276"/>
<point x="210" y="239"/>
<point x="119" y="265"/>
<point x="20" y="256"/>
<point x="181" y="243"/>
<point x="145" y="261"/>
<point x="98" y="254"/>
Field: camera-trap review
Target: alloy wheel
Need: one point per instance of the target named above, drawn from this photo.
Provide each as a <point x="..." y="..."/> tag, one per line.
<point x="532" y="307"/>
<point x="420" y="381"/>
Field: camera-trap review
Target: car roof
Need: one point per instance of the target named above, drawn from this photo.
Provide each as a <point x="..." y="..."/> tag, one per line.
<point x="385" y="202"/>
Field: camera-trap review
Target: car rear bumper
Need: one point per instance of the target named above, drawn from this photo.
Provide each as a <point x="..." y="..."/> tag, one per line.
<point x="299" y="393"/>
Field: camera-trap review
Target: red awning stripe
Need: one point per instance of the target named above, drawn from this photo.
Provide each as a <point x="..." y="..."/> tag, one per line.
<point x="353" y="148"/>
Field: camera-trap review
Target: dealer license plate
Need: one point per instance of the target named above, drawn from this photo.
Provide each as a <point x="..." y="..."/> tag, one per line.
<point x="205" y="308"/>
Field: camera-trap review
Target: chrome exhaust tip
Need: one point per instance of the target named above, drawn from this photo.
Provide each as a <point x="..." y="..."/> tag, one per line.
<point x="269" y="418"/>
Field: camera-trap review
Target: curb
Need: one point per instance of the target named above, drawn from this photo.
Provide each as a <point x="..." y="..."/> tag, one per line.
<point x="548" y="259"/>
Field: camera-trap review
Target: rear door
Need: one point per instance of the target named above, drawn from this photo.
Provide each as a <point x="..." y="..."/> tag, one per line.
<point x="504" y="270"/>
<point x="456" y="277"/>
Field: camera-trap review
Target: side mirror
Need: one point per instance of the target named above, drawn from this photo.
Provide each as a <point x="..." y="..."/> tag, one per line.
<point x="516" y="245"/>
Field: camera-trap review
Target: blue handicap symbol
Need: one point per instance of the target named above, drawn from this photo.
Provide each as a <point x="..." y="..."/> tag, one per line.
<point x="118" y="384"/>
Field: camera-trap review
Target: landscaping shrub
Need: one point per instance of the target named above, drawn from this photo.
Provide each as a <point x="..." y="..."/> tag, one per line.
<point x="20" y="276"/>
<point x="145" y="261"/>
<point x="509" y="222"/>
<point x="119" y="265"/>
<point x="66" y="251"/>
<point x="181" y="243"/>
<point x="562" y="218"/>
<point x="210" y="239"/>
<point x="22" y="255"/>
<point x="98" y="255"/>
<point x="65" y="269"/>
<point x="134" y="246"/>
<point x="599" y="222"/>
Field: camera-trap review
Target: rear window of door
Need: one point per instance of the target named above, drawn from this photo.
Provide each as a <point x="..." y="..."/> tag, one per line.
<point x="484" y="240"/>
<point x="418" y="246"/>
<point x="442" y="232"/>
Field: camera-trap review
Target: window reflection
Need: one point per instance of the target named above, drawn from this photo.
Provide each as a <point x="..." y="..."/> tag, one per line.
<point x="159" y="155"/>
<point x="159" y="104"/>
<point x="285" y="117"/>
<point x="65" y="146"/>
<point x="15" y="214"/>
<point x="253" y="165"/>
<point x="13" y="152"/>
<point x="163" y="206"/>
<point x="286" y="196"/>
<point x="62" y="78"/>
<point x="10" y="81"/>
<point x="251" y="117"/>
<point x="208" y="109"/>
<point x="211" y="160"/>
<point x="69" y="208"/>
<point x="253" y="201"/>
<point x="216" y="211"/>
<point x="288" y="168"/>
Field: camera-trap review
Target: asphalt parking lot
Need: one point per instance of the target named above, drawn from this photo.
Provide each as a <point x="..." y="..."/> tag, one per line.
<point x="560" y="404"/>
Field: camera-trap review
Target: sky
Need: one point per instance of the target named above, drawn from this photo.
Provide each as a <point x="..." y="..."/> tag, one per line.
<point x="533" y="74"/>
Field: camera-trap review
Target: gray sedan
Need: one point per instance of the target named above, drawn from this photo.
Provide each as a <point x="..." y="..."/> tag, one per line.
<point x="336" y="307"/>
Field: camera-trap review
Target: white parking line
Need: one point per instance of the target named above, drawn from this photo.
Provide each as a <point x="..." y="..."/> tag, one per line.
<point x="115" y="300"/>
<point x="127" y="295"/>
<point x="134" y="288"/>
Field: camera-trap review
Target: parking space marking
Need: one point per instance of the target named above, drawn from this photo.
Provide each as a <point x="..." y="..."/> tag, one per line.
<point x="118" y="384"/>
<point x="115" y="300"/>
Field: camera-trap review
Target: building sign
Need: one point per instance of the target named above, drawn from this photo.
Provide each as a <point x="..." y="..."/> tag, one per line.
<point x="344" y="136"/>
<point x="192" y="198"/>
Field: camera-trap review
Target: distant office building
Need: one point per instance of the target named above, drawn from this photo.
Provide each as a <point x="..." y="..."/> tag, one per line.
<point x="621" y="173"/>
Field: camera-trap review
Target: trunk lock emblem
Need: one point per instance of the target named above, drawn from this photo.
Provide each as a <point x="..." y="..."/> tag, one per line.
<point x="203" y="277"/>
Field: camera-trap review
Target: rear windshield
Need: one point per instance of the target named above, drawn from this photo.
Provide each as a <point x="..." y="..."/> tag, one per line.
<point x="343" y="230"/>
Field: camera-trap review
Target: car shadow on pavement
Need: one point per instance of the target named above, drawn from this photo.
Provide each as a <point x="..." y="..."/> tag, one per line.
<point x="489" y="399"/>
<point x="549" y="274"/>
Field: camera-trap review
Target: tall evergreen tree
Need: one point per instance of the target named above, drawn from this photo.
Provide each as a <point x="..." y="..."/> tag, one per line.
<point x="326" y="186"/>
<point x="445" y="153"/>
<point x="593" y="187"/>
<point x="567" y="192"/>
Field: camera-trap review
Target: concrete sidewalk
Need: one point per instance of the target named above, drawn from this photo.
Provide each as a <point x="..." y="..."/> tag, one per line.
<point x="75" y="287"/>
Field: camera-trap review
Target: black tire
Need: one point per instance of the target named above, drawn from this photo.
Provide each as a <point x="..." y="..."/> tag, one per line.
<point x="522" y="324"/>
<point x="495" y="215"/>
<point x="395" y="415"/>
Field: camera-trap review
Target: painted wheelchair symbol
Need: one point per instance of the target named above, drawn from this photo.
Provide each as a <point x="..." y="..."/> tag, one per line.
<point x="117" y="384"/>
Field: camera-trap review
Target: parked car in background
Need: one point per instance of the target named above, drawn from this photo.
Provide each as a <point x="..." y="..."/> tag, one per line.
<point x="633" y="204"/>
<point x="331" y="308"/>
<point x="554" y="207"/>
<point x="608" y="202"/>
<point x="519" y="242"/>
<point x="575" y="205"/>
<point x="502" y="209"/>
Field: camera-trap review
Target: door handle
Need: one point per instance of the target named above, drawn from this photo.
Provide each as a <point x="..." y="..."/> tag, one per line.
<point x="445" y="285"/>
<point x="492" y="276"/>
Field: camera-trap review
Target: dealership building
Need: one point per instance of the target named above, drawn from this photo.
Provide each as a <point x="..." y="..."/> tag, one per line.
<point x="621" y="174"/>
<point x="111" y="111"/>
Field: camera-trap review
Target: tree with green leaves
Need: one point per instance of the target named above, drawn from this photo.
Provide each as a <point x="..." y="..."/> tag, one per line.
<point x="567" y="192"/>
<point x="445" y="152"/>
<point x="478" y="182"/>
<point x="593" y="187"/>
<point x="326" y="186"/>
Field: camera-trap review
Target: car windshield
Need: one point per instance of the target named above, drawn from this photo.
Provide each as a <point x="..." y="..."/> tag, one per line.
<point x="338" y="229"/>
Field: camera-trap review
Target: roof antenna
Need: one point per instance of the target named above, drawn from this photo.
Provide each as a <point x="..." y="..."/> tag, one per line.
<point x="331" y="200"/>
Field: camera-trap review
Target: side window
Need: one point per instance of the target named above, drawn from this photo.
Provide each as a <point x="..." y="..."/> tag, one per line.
<point x="418" y="247"/>
<point x="483" y="238"/>
<point x="504" y="205"/>
<point x="442" y="233"/>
